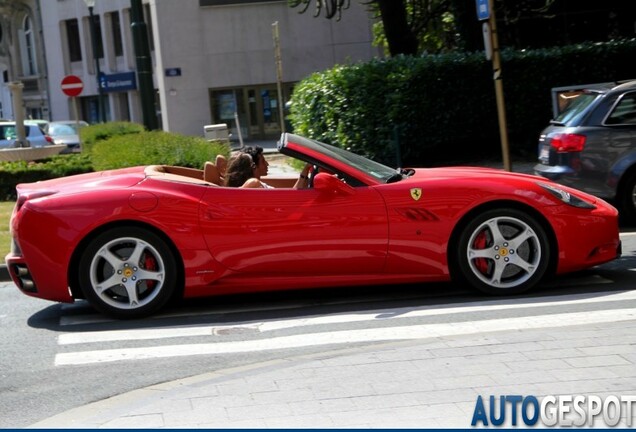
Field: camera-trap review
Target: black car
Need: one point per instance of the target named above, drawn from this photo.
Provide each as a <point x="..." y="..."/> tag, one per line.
<point x="591" y="144"/>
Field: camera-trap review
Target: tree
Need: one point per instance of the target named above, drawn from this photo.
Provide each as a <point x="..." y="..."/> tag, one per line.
<point x="414" y="27"/>
<point x="399" y="35"/>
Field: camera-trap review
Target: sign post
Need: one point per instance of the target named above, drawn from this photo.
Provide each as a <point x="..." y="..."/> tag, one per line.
<point x="279" y="76"/>
<point x="72" y="87"/>
<point x="485" y="11"/>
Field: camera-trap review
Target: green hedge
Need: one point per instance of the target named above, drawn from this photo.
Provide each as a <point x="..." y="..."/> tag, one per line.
<point x="103" y="131"/>
<point x="156" y="147"/>
<point x="442" y="108"/>
<point x="110" y="146"/>
<point x="12" y="173"/>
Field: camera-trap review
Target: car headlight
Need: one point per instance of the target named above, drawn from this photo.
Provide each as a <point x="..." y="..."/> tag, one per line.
<point x="566" y="197"/>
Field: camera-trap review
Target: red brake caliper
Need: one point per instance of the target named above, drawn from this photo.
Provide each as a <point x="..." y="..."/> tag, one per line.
<point x="481" y="242"/>
<point x="150" y="263"/>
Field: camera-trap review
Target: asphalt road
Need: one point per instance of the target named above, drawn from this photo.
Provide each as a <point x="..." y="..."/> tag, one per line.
<point x="56" y="357"/>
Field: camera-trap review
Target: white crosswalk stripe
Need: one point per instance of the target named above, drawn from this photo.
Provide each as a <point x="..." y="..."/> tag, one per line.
<point x="212" y="339"/>
<point x="265" y="326"/>
<point x="345" y="337"/>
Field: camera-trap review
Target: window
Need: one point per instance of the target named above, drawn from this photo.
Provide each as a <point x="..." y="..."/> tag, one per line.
<point x="624" y="111"/>
<point x="27" y="48"/>
<point x="117" y="39"/>
<point x="73" y="40"/>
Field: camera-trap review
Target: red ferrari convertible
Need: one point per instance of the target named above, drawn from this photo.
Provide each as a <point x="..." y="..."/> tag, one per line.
<point x="130" y="240"/>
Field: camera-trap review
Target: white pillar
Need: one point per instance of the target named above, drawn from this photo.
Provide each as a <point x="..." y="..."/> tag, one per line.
<point x="18" y="112"/>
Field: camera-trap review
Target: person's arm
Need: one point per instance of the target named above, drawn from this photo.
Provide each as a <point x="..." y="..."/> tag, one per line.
<point x="303" y="178"/>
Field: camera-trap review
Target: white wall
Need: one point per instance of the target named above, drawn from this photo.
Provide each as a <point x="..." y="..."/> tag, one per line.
<point x="215" y="47"/>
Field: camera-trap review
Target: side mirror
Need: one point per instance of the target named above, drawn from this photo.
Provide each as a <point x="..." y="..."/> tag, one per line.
<point x="331" y="184"/>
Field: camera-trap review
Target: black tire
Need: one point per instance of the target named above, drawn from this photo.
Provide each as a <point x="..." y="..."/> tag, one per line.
<point x="128" y="272"/>
<point x="502" y="251"/>
<point x="627" y="199"/>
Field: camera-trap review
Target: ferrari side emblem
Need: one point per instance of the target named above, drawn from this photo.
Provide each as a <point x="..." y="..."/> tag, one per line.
<point x="416" y="193"/>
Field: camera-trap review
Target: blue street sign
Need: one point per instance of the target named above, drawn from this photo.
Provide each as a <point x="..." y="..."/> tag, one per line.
<point x="173" y="72"/>
<point x="483" y="10"/>
<point x="118" y="82"/>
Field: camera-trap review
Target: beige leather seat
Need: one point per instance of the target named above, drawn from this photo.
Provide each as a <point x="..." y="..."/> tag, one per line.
<point x="211" y="173"/>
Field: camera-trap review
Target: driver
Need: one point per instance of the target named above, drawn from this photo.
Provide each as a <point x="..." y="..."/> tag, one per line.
<point x="261" y="166"/>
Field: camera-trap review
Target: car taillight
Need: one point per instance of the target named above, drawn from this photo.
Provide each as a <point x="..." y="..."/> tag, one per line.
<point x="567" y="142"/>
<point x="49" y="139"/>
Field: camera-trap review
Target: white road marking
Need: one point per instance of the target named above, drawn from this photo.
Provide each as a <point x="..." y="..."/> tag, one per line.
<point x="384" y="314"/>
<point x="346" y="337"/>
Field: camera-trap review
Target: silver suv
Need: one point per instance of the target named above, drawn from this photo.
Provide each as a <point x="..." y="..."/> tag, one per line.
<point x="34" y="135"/>
<point x="591" y="144"/>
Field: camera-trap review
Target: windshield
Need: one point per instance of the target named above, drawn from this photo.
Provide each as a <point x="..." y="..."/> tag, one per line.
<point x="576" y="106"/>
<point x="61" y="129"/>
<point x="377" y="170"/>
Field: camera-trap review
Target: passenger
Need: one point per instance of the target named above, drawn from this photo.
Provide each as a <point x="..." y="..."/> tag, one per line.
<point x="261" y="168"/>
<point x="239" y="172"/>
<point x="221" y="164"/>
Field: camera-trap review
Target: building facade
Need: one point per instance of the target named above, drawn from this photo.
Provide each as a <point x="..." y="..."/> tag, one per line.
<point x="22" y="58"/>
<point x="213" y="61"/>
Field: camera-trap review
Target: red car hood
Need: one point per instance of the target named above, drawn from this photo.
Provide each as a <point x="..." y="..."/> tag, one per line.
<point x="491" y="175"/>
<point x="123" y="177"/>
<point x="469" y="172"/>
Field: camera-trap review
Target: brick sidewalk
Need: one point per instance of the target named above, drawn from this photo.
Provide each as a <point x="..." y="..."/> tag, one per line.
<point x="426" y="383"/>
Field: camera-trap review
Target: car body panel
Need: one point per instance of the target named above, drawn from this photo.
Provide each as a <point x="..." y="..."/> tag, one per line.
<point x="361" y="224"/>
<point x="66" y="132"/>
<point x="610" y="147"/>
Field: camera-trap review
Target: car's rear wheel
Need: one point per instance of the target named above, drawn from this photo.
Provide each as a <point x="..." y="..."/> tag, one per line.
<point x="128" y="272"/>
<point x="503" y="251"/>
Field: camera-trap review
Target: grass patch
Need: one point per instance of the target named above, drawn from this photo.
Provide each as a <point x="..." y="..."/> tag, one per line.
<point x="6" y="208"/>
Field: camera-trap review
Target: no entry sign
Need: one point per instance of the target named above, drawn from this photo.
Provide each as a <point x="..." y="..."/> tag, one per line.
<point x="72" y="85"/>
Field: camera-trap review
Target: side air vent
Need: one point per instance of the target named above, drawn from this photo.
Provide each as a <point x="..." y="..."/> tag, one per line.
<point x="417" y="214"/>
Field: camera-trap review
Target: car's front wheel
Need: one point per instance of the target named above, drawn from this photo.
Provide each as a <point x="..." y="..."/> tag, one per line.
<point x="503" y="251"/>
<point x="128" y="272"/>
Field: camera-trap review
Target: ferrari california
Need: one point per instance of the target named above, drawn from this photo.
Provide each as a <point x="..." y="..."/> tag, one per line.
<point x="131" y="240"/>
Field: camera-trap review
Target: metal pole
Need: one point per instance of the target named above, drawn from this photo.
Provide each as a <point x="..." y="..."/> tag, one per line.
<point x="77" y="121"/>
<point x="279" y="77"/>
<point x="501" y="107"/>
<point x="102" y="109"/>
<point x="144" y="65"/>
<point x="238" y="129"/>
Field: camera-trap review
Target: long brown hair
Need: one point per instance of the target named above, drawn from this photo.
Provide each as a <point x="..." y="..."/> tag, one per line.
<point x="239" y="170"/>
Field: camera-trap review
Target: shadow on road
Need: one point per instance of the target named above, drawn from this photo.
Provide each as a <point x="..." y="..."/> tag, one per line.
<point x="598" y="282"/>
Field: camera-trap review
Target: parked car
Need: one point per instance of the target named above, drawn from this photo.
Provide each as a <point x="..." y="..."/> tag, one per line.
<point x="67" y="133"/>
<point x="43" y="124"/>
<point x="129" y="240"/>
<point x="34" y="135"/>
<point x="591" y="144"/>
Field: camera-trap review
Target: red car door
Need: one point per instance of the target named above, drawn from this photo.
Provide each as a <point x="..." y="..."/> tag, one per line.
<point x="296" y="232"/>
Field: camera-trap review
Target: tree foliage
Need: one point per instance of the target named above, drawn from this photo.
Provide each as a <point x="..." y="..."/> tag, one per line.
<point x="415" y="27"/>
<point x="399" y="36"/>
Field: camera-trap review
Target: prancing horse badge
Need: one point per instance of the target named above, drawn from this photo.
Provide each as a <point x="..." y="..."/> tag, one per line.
<point x="416" y="193"/>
